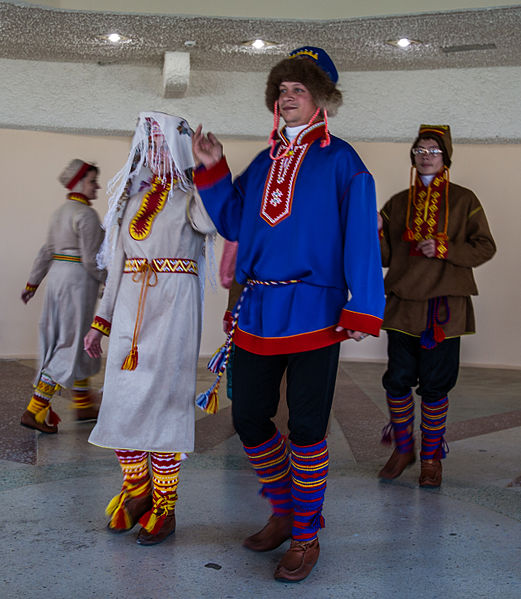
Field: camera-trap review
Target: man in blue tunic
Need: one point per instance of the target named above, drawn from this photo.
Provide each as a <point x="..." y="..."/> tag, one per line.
<point x="304" y="213"/>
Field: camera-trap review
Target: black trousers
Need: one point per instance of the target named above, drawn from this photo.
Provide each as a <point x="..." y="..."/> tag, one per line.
<point x="311" y="378"/>
<point x="434" y="371"/>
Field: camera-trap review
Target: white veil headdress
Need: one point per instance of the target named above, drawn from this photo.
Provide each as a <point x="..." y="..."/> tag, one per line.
<point x="134" y="174"/>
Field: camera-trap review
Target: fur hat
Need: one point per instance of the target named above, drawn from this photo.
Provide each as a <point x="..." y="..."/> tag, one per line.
<point x="313" y="68"/>
<point x="74" y="172"/>
<point x="440" y="134"/>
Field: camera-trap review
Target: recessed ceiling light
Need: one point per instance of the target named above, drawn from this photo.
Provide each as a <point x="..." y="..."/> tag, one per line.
<point x="190" y="43"/>
<point x="403" y="42"/>
<point x="114" y="38"/>
<point x="259" y="44"/>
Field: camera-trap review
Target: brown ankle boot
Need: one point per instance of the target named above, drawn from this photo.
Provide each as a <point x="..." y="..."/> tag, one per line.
<point x="396" y="464"/>
<point x="430" y="475"/>
<point x="29" y="421"/>
<point x="136" y="507"/>
<point x="298" y="561"/>
<point x="276" y="531"/>
<point x="167" y="528"/>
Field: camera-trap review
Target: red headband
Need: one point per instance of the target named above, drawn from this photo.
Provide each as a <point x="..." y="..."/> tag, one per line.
<point x="79" y="175"/>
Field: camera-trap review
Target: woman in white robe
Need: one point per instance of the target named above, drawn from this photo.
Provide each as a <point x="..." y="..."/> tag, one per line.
<point x="152" y="310"/>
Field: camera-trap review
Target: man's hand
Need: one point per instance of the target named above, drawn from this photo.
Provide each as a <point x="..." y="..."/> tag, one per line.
<point x="427" y="247"/>
<point x="207" y="149"/>
<point x="92" y="343"/>
<point x="356" y="335"/>
<point x="380" y="221"/>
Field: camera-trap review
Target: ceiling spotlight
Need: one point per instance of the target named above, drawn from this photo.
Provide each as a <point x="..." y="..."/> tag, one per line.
<point x="259" y="44"/>
<point x="113" y="38"/>
<point x="190" y="43"/>
<point x="403" y="42"/>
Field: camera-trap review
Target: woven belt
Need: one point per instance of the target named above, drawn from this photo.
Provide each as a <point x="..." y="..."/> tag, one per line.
<point x="66" y="258"/>
<point x="163" y="265"/>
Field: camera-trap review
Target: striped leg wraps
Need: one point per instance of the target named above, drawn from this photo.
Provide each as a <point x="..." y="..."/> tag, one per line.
<point x="434" y="417"/>
<point x="401" y="410"/>
<point x="81" y="394"/>
<point x="165" y="476"/>
<point x="136" y="483"/>
<point x="270" y="461"/>
<point x="40" y="404"/>
<point x="309" y="467"/>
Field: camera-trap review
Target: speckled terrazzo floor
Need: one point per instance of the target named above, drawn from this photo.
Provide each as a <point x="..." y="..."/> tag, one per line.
<point x="381" y="540"/>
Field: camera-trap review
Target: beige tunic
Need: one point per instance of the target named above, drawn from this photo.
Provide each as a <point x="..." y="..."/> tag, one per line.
<point x="71" y="292"/>
<point x="412" y="280"/>
<point x="151" y="408"/>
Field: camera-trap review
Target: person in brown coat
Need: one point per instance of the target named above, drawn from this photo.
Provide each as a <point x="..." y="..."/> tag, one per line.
<point x="432" y="235"/>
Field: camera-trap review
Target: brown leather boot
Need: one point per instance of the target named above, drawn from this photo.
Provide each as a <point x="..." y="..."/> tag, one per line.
<point x="276" y="531"/>
<point x="298" y="561"/>
<point x="168" y="528"/>
<point x="87" y="414"/>
<point x="136" y="507"/>
<point x="430" y="475"/>
<point x="29" y="421"/>
<point x="396" y="464"/>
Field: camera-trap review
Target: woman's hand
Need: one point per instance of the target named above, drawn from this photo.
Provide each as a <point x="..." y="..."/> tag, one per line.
<point x="26" y="295"/>
<point x="92" y="343"/>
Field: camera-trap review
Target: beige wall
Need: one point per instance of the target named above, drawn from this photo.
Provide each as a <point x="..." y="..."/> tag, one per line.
<point x="31" y="161"/>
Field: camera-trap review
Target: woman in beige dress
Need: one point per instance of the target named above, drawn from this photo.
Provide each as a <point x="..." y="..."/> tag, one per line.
<point x="68" y="258"/>
<point x="156" y="233"/>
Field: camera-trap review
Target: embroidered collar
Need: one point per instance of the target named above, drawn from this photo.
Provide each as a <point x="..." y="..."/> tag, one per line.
<point x="79" y="197"/>
<point x="152" y="203"/>
<point x="306" y="136"/>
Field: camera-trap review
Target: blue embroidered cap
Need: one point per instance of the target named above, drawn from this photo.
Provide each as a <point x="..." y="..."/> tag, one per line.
<point x="321" y="59"/>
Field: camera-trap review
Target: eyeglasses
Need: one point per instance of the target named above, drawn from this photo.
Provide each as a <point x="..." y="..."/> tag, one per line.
<point x="425" y="152"/>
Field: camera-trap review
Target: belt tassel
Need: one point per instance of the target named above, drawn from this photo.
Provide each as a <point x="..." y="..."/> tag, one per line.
<point x="144" y="274"/>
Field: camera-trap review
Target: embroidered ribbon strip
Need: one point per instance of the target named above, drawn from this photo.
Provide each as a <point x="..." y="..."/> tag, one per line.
<point x="425" y="204"/>
<point x="66" y="258"/>
<point x="151" y="205"/>
<point x="163" y="265"/>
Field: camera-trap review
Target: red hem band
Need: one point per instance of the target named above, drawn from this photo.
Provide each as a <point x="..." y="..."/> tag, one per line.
<point x="271" y="346"/>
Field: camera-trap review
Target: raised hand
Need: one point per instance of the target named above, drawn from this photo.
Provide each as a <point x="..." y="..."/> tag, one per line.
<point x="207" y="149"/>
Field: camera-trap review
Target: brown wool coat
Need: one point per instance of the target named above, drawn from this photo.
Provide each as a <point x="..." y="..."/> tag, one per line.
<point x="412" y="280"/>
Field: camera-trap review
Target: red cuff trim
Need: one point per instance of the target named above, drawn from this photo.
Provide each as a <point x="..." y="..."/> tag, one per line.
<point x="102" y="325"/>
<point x="30" y="287"/>
<point x="365" y="323"/>
<point x="228" y="317"/>
<point x="207" y="177"/>
<point x="270" y="346"/>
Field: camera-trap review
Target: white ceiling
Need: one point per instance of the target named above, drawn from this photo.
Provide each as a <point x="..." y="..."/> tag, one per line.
<point x="477" y="37"/>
